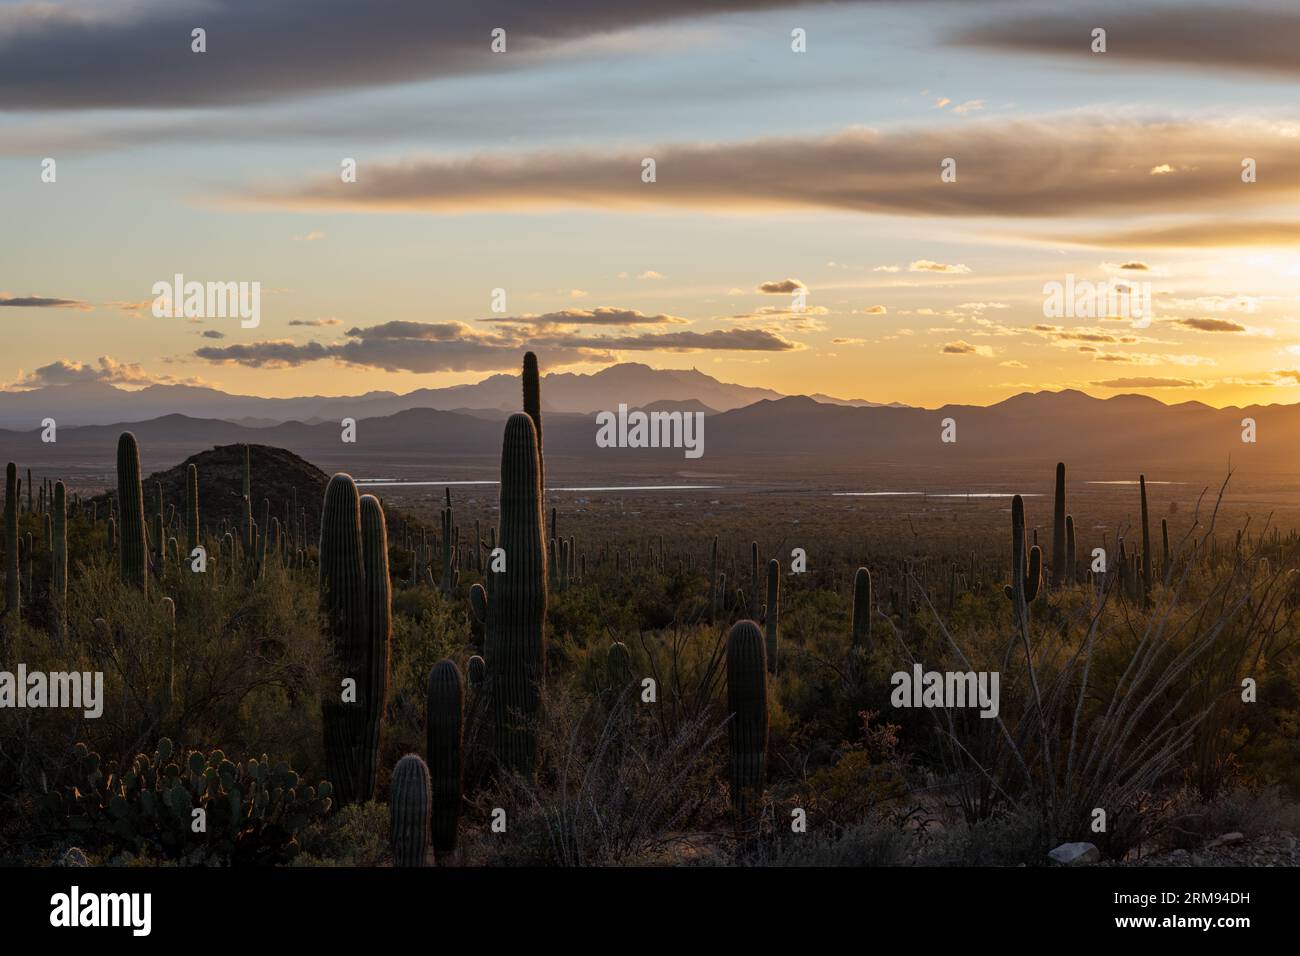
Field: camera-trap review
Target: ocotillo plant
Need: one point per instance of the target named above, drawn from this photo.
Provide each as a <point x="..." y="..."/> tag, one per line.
<point x="532" y="382"/>
<point x="1059" y="573"/>
<point x="772" y="613"/>
<point x="450" y="547"/>
<point x="754" y="598"/>
<point x="747" y="729"/>
<point x="132" y="553"/>
<point x="59" y="561"/>
<point x="516" y="629"/>
<point x="860" y="629"/>
<point x="11" y="538"/>
<point x="344" y="603"/>
<point x="1025" y="575"/>
<point x="444" y="718"/>
<point x="409" y="802"/>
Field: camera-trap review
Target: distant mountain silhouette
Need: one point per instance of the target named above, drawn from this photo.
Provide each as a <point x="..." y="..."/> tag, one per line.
<point x="1129" y="432"/>
<point x="97" y="403"/>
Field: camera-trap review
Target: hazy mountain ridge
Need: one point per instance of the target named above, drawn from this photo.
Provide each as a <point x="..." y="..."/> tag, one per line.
<point x="637" y="385"/>
<point x="1141" y="433"/>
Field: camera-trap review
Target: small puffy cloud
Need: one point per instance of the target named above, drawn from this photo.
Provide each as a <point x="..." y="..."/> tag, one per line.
<point x="1135" y="266"/>
<point x="212" y="334"/>
<point x="1013" y="363"/>
<point x="848" y="341"/>
<point x="105" y="369"/>
<point x="781" y="286"/>
<point x="970" y="106"/>
<point x="42" y="302"/>
<point x="1203" y="324"/>
<point x="650" y="274"/>
<point x="873" y="310"/>
<point x="927" y="265"/>
<point x="940" y="102"/>
<point x="578" y="293"/>
<point x="885" y="269"/>
<point x="962" y="347"/>
<point x="1164" y="169"/>
<point x="313" y="236"/>
<point x="601" y="315"/>
<point x="1145" y="381"/>
<point x="315" y="323"/>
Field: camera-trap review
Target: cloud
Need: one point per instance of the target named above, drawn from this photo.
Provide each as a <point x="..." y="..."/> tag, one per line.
<point x="650" y="274"/>
<point x="291" y="48"/>
<point x="315" y="323"/>
<point x="926" y="265"/>
<point x="602" y="315"/>
<point x="779" y="286"/>
<point x="1236" y="37"/>
<point x="970" y="106"/>
<point x="1150" y="382"/>
<point x="1013" y="363"/>
<point x="1080" y="166"/>
<point x="1135" y="266"/>
<point x="1205" y="233"/>
<point x="212" y="334"/>
<point x="961" y="347"/>
<point x="1211" y="325"/>
<point x="106" y="370"/>
<point x="425" y="347"/>
<point x="313" y="236"/>
<point x="41" y="302"/>
<point x="873" y="310"/>
<point x="885" y="269"/>
<point x="848" y="341"/>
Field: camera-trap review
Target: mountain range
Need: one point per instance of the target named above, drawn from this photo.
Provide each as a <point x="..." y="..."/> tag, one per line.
<point x="637" y="385"/>
<point x="770" y="437"/>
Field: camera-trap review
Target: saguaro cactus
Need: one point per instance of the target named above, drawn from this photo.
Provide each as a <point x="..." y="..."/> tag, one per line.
<point x="59" y="560"/>
<point x="772" y="615"/>
<point x="516" y="636"/>
<point x="379" y="625"/>
<point x="1071" y="558"/>
<point x="1025" y="575"/>
<point x="444" y="720"/>
<point x="11" y="538"/>
<point x="618" y="666"/>
<point x="1146" y="541"/>
<point x="860" y="628"/>
<point x="343" y="599"/>
<point x="747" y="729"/>
<point x="1059" y="574"/>
<point x="408" y="811"/>
<point x="132" y="550"/>
<point x="533" y="409"/>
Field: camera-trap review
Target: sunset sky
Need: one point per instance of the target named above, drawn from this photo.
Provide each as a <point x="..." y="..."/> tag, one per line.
<point x="523" y="171"/>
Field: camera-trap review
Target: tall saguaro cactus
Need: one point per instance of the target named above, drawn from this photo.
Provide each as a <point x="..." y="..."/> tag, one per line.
<point x="1026" y="575"/>
<point x="132" y="552"/>
<point x="343" y="600"/>
<point x="533" y="409"/>
<point x="444" y="729"/>
<point x="1059" y="574"/>
<point x="860" y="629"/>
<point x="379" y="625"/>
<point x="772" y="616"/>
<point x="191" y="509"/>
<point x="59" y="560"/>
<point x="516" y="626"/>
<point x="1146" y="541"/>
<point x="11" y="539"/>
<point x="747" y="729"/>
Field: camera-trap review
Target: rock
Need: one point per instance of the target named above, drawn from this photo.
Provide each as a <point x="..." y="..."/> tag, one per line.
<point x="1075" y="854"/>
<point x="1225" y="839"/>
